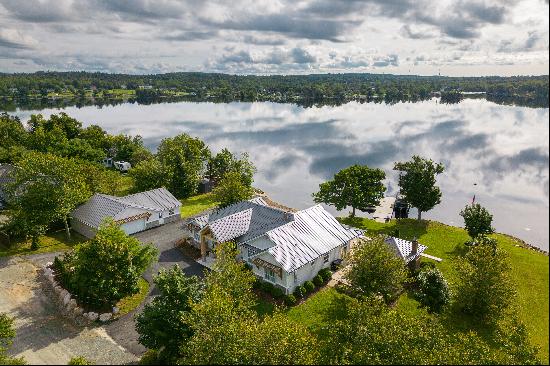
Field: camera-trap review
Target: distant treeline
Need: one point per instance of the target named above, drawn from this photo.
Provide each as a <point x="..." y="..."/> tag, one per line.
<point x="45" y="89"/>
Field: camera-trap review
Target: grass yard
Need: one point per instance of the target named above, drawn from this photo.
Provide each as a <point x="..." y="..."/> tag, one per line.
<point x="196" y="204"/>
<point x="51" y="242"/>
<point x="129" y="303"/>
<point x="529" y="268"/>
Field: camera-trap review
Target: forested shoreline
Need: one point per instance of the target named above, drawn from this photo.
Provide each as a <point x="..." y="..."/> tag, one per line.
<point x="58" y="89"/>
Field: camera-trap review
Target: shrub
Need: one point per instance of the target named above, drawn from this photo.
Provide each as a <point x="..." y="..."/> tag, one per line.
<point x="267" y="287"/>
<point x="277" y="292"/>
<point x="150" y="358"/>
<point x="375" y="269"/>
<point x="433" y="291"/>
<point x="290" y="300"/>
<point x="318" y="281"/>
<point x="326" y="274"/>
<point x="80" y="360"/>
<point x="300" y="292"/>
<point x="309" y="286"/>
<point x="477" y="220"/>
<point x="102" y="283"/>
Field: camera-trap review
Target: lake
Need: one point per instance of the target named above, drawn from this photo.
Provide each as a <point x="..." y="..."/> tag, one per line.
<point x="497" y="153"/>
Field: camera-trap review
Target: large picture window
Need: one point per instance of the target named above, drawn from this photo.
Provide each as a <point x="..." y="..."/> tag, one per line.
<point x="269" y="275"/>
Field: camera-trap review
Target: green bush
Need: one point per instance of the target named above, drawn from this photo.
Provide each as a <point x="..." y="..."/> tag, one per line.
<point x="318" y="281"/>
<point x="290" y="300"/>
<point x="80" y="360"/>
<point x="326" y="274"/>
<point x="277" y="292"/>
<point x="433" y="290"/>
<point x="150" y="358"/>
<point x="267" y="287"/>
<point x="309" y="286"/>
<point x="300" y="292"/>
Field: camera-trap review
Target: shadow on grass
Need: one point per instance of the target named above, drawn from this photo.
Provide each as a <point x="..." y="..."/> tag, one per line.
<point x="406" y="229"/>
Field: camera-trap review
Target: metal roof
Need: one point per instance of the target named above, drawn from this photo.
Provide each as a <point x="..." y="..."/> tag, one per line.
<point x="404" y="248"/>
<point x="243" y="221"/>
<point x="101" y="206"/>
<point x="312" y="233"/>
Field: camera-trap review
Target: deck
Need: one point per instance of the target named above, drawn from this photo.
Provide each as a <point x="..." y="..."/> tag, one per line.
<point x="384" y="211"/>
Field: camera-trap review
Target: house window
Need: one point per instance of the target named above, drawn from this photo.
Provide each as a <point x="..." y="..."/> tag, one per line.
<point x="160" y="215"/>
<point x="196" y="236"/>
<point x="269" y="275"/>
<point x="325" y="258"/>
<point x="171" y="212"/>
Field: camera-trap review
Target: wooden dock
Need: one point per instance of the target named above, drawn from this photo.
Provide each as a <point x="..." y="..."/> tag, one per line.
<point x="384" y="211"/>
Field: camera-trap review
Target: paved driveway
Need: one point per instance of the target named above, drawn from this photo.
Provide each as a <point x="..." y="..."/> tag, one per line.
<point x="164" y="238"/>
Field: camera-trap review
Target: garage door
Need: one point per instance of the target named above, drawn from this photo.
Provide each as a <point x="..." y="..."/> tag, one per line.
<point x="134" y="226"/>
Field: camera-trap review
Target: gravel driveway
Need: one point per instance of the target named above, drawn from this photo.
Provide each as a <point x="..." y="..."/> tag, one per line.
<point x="44" y="337"/>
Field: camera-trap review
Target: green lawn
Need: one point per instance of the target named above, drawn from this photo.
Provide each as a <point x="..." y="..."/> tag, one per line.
<point x="51" y="242"/>
<point x="529" y="268"/>
<point x="129" y="303"/>
<point x="196" y="204"/>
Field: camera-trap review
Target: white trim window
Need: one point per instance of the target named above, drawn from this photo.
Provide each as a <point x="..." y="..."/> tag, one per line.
<point x="269" y="275"/>
<point x="196" y="236"/>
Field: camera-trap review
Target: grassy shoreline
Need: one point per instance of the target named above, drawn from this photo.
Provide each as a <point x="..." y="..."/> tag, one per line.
<point x="529" y="267"/>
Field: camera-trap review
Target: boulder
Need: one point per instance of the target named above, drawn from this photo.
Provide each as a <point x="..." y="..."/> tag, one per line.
<point x="58" y="289"/>
<point x="105" y="317"/>
<point x="92" y="316"/>
<point x="66" y="298"/>
<point x="71" y="305"/>
<point x="115" y="310"/>
<point x="48" y="272"/>
<point x="78" y="311"/>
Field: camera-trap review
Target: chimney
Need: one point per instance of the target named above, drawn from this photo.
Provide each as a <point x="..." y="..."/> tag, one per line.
<point x="414" y="246"/>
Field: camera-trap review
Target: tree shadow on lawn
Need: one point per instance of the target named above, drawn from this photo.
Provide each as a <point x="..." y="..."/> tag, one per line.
<point x="406" y="229"/>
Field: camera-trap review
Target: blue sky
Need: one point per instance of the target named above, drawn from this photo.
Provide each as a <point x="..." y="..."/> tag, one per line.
<point x="463" y="37"/>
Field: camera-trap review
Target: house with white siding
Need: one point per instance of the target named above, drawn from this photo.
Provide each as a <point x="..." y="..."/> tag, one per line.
<point x="134" y="213"/>
<point x="285" y="248"/>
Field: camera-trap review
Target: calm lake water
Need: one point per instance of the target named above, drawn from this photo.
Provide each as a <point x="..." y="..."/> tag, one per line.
<point x="499" y="153"/>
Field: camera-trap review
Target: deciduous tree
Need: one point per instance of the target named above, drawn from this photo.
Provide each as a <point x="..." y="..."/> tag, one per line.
<point x="162" y="325"/>
<point x="477" y="220"/>
<point x="417" y="183"/>
<point x="231" y="189"/>
<point x="374" y="269"/>
<point x="358" y="187"/>
<point x="107" y="268"/>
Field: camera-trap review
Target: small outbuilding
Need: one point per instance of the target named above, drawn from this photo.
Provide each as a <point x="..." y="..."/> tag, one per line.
<point x="134" y="213"/>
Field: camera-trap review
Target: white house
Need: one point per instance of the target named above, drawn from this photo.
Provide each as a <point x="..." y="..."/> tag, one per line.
<point x="285" y="248"/>
<point x="134" y="213"/>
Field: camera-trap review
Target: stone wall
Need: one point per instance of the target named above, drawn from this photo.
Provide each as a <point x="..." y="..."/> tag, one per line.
<point x="67" y="304"/>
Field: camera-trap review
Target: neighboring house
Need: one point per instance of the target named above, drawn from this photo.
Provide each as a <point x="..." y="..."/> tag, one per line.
<point x="409" y="251"/>
<point x="283" y="247"/>
<point x="5" y="178"/>
<point x="134" y="213"/>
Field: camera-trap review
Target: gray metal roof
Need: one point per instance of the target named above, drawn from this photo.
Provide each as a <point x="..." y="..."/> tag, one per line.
<point x="229" y="224"/>
<point x="403" y="248"/>
<point x="101" y="206"/>
<point x="159" y="199"/>
<point x="312" y="233"/>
